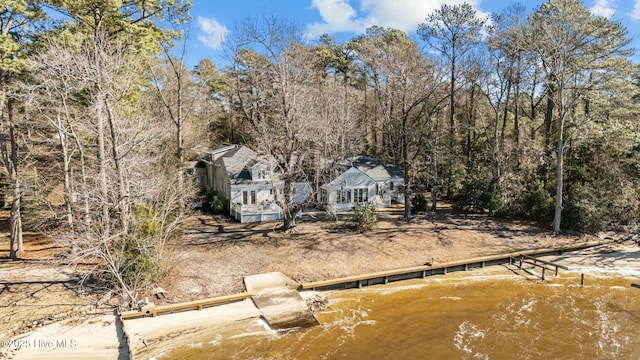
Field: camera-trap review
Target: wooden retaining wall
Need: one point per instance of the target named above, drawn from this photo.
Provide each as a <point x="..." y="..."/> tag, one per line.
<point x="384" y="277"/>
<point x="189" y="305"/>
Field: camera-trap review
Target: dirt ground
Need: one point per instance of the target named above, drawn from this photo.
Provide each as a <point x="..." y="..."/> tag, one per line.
<point x="215" y="254"/>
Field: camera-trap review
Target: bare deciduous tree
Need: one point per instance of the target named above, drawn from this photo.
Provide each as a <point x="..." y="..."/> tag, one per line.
<point x="408" y="92"/>
<point x="131" y="205"/>
<point x="275" y="90"/>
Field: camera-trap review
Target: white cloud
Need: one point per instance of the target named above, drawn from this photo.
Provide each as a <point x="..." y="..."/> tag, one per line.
<point x="212" y="33"/>
<point x="604" y="8"/>
<point x="636" y="11"/>
<point x="340" y="16"/>
<point x="405" y="14"/>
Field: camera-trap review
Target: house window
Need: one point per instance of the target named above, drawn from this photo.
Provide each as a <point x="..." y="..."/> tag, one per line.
<point x="253" y="197"/>
<point x="344" y="196"/>
<point x="361" y="195"/>
<point x="323" y="196"/>
<point x="391" y="186"/>
<point x="245" y="198"/>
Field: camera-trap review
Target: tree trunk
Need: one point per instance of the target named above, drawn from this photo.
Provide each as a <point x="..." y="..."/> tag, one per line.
<point x="505" y="115"/>
<point x="559" y="179"/>
<point x="405" y="164"/>
<point x="102" y="167"/>
<point x="98" y="62"/>
<point x="516" y="125"/>
<point x="435" y="188"/>
<point x="66" y="169"/>
<point x="123" y="199"/>
<point x="548" y="121"/>
<point x="452" y="134"/>
<point x="471" y="128"/>
<point x="289" y="209"/>
<point x="289" y="221"/>
<point x="179" y="122"/>
<point x="15" y="222"/>
<point x="83" y="174"/>
<point x="180" y="156"/>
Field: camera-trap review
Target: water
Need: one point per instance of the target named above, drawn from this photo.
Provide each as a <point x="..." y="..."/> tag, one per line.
<point x="458" y="316"/>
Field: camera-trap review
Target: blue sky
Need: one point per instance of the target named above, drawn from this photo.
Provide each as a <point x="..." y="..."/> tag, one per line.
<point x="213" y="20"/>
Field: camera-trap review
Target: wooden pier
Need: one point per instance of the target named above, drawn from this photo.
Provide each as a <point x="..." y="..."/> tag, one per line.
<point x="542" y="264"/>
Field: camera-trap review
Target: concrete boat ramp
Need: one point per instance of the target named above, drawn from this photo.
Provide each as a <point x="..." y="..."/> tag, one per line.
<point x="274" y="295"/>
<point x="277" y="298"/>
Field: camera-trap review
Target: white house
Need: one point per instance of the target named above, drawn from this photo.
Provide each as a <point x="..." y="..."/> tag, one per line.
<point x="351" y="188"/>
<point x="245" y="179"/>
<point x="389" y="178"/>
<point x="247" y="182"/>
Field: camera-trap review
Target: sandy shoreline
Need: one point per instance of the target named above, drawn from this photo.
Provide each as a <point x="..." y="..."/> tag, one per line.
<point x="99" y="337"/>
<point x="617" y="259"/>
<point x="149" y="335"/>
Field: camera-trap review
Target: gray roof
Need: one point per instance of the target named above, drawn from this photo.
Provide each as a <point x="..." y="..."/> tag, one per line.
<point x="352" y="178"/>
<point x="211" y="155"/>
<point x="235" y="162"/>
<point x="375" y="169"/>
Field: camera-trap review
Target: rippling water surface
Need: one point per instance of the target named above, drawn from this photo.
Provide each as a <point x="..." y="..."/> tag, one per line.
<point x="457" y="316"/>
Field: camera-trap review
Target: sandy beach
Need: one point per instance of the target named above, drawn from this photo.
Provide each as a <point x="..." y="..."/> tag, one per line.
<point x="97" y="338"/>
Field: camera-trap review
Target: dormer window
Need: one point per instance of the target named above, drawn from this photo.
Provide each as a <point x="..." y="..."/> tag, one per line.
<point x="260" y="172"/>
